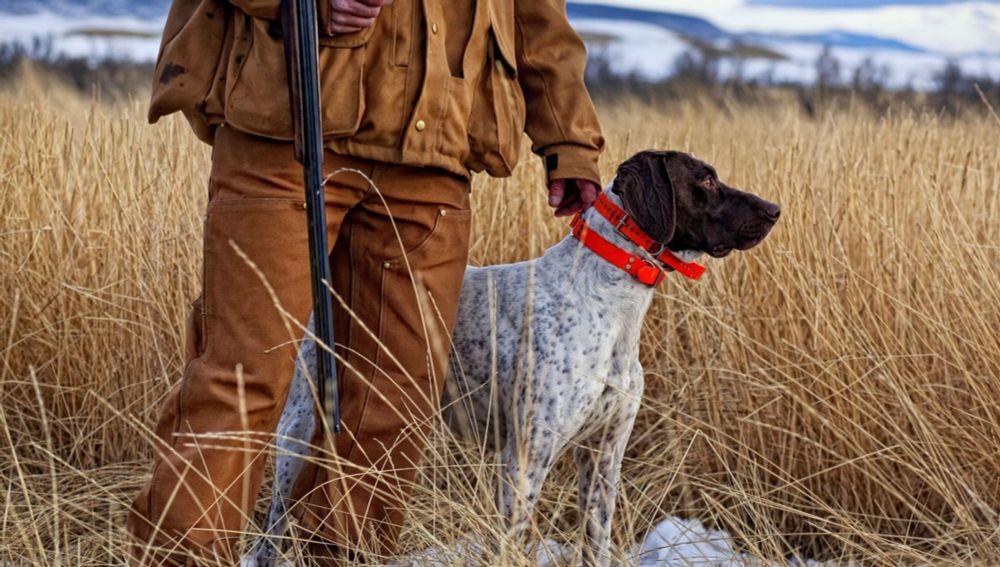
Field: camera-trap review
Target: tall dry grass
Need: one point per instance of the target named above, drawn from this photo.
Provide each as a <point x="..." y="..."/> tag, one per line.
<point x="832" y="394"/>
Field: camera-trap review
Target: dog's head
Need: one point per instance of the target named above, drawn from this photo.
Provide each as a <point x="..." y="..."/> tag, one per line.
<point x="680" y="201"/>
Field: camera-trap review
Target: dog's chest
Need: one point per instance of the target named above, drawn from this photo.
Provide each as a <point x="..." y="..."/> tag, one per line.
<point x="579" y="373"/>
<point x="602" y="391"/>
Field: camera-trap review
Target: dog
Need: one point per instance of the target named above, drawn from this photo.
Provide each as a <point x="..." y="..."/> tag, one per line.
<point x="545" y="353"/>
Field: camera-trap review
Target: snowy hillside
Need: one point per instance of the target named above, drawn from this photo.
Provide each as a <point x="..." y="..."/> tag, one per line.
<point x="642" y="48"/>
<point x="134" y="8"/>
<point x="903" y="45"/>
<point x="93" y="36"/>
<point x="904" y="42"/>
<point x="941" y="26"/>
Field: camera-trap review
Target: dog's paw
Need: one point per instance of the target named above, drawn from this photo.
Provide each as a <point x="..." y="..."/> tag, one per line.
<point x="466" y="551"/>
<point x="550" y="553"/>
<point x="263" y="556"/>
<point x="249" y="560"/>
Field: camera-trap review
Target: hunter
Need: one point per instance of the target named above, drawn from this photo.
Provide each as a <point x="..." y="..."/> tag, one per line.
<point x="417" y="95"/>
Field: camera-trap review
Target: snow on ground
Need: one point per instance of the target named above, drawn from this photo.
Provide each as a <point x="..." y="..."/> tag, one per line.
<point x="901" y="68"/>
<point x="93" y="37"/>
<point x="671" y="543"/>
<point x="953" y="28"/>
<point x="651" y="52"/>
<point x="686" y="542"/>
<point x="645" y="49"/>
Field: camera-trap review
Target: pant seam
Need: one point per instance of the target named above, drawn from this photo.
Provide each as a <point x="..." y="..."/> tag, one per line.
<point x="376" y="359"/>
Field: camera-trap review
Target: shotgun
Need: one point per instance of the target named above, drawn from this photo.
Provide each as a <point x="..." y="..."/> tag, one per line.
<point x="301" y="37"/>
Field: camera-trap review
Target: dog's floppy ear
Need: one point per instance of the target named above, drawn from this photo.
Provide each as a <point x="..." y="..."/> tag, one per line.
<point x="644" y="185"/>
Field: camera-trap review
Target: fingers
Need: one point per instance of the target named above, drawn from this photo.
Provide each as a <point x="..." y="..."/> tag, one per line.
<point x="353" y="8"/>
<point x="588" y="193"/>
<point x="557" y="188"/>
<point x="570" y="204"/>
<point x="348" y="24"/>
<point x="348" y="16"/>
<point x="571" y="196"/>
<point x="569" y="208"/>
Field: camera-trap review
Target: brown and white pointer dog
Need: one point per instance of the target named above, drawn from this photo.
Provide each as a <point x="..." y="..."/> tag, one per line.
<point x="545" y="353"/>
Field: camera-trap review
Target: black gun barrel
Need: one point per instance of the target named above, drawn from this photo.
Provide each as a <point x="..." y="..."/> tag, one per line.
<point x="301" y="38"/>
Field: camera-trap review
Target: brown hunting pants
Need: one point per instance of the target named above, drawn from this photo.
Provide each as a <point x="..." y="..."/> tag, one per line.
<point x="398" y="256"/>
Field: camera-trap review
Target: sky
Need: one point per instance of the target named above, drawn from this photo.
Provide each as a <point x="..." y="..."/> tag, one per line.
<point x="854" y="3"/>
<point x="944" y="26"/>
<point x="807" y="4"/>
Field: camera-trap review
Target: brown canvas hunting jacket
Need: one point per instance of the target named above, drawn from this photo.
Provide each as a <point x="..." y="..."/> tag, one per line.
<point x="449" y="84"/>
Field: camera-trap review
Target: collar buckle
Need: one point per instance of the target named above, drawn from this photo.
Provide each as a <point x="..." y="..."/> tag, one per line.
<point x="618" y="226"/>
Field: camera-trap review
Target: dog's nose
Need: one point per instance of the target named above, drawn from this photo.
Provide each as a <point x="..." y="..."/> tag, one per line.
<point x="772" y="211"/>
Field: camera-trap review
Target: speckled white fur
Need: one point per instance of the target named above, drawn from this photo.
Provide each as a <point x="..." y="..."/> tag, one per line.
<point x="545" y="358"/>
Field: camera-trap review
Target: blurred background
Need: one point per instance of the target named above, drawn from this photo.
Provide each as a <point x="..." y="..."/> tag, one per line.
<point x="924" y="51"/>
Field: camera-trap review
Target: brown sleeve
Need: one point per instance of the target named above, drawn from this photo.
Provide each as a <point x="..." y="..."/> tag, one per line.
<point x="561" y="120"/>
<point x="271" y="10"/>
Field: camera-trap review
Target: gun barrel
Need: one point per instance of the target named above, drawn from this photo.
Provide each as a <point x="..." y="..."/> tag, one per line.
<point x="301" y="37"/>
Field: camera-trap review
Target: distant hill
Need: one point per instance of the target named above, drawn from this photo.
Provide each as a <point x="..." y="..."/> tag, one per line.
<point x="700" y="28"/>
<point x="679" y="23"/>
<point x="682" y="24"/>
<point x="136" y="8"/>
<point x="649" y="43"/>
<point x="838" y="39"/>
<point x="853" y="3"/>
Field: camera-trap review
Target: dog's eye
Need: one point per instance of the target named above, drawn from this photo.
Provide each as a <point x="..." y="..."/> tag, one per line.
<point x="708" y="182"/>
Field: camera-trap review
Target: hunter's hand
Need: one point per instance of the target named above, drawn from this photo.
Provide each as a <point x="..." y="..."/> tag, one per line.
<point x="348" y="16"/>
<point x="570" y="196"/>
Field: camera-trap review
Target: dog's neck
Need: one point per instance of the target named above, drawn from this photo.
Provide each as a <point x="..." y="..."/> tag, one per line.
<point x="602" y="226"/>
<point x="594" y="277"/>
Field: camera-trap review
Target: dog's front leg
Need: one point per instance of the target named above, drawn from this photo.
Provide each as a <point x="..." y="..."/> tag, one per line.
<point x="599" y="461"/>
<point x="526" y="459"/>
<point x="520" y="488"/>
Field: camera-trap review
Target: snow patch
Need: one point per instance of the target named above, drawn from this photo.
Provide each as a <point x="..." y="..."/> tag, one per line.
<point x="91" y="37"/>
<point x="645" y="49"/>
<point x="686" y="542"/>
<point x="897" y="68"/>
<point x="671" y="543"/>
<point x="953" y="28"/>
<point x="651" y="52"/>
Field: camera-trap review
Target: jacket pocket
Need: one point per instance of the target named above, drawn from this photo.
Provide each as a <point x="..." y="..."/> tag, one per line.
<point x="257" y="94"/>
<point x="353" y="39"/>
<point x="445" y="238"/>
<point x="496" y="123"/>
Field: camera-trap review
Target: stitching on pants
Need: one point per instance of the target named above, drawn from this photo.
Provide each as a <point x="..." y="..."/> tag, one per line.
<point x="375" y="178"/>
<point x="375" y="362"/>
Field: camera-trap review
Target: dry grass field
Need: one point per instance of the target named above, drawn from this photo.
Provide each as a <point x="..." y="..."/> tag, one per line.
<point x="834" y="394"/>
